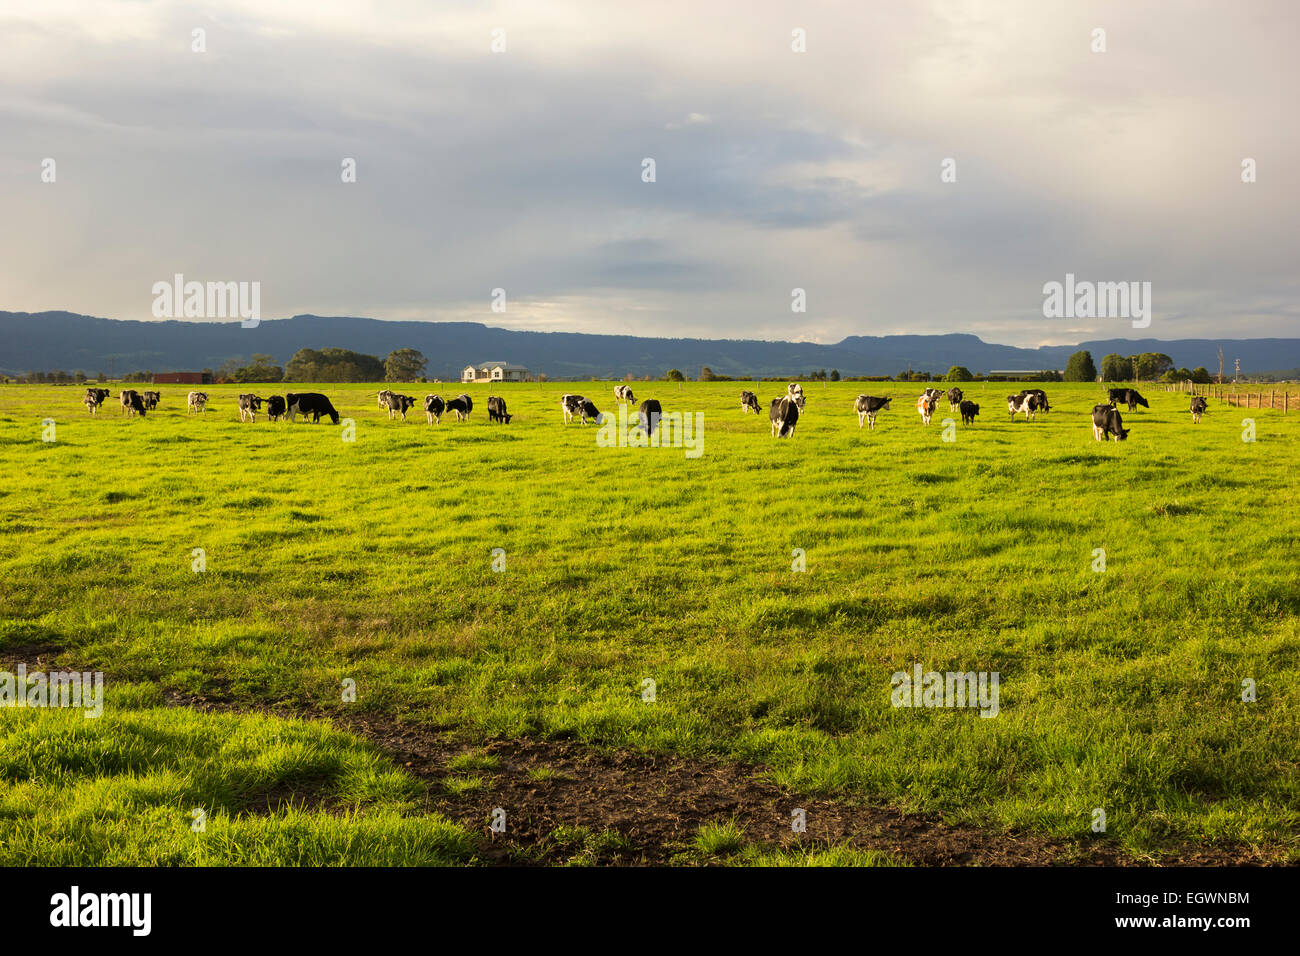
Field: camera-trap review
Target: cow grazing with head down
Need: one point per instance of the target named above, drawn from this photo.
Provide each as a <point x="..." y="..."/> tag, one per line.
<point x="1106" y="420"/>
<point x="1127" y="396"/>
<point x="132" y="403"/>
<point x="925" y="405"/>
<point x="649" y="414"/>
<point x="575" y="406"/>
<point x="784" y="414"/>
<point x="309" y="403"/>
<point x="458" y="406"/>
<point x="151" y="399"/>
<point x="275" y="407"/>
<point x="198" y="402"/>
<point x="94" y="398"/>
<point x="398" y="404"/>
<point x="968" y="412"/>
<point x="867" y="407"/>
<point x="1023" y="403"/>
<point x="954" y="398"/>
<point x="433" y="409"/>
<point x="1199" y="407"/>
<point x="748" y="402"/>
<point x="623" y="394"/>
<point x="249" y="406"/>
<point x="497" y="410"/>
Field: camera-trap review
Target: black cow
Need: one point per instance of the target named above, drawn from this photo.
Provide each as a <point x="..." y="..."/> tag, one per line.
<point x="398" y="404"/>
<point x="954" y="398"/>
<point x="1199" y="407"/>
<point x="249" y="406"/>
<point x="649" y="414"/>
<point x="749" y="402"/>
<point x="275" y="407"/>
<point x="151" y="399"/>
<point x="459" y="406"/>
<point x="132" y="403"/>
<point x="575" y="406"/>
<point x="309" y="403"/>
<point x="784" y="414"/>
<point x="434" y="406"/>
<point x="94" y="398"/>
<point x="469" y="403"/>
<point x="868" y="406"/>
<point x="968" y="412"/>
<point x="497" y="410"/>
<point x="1106" y="420"/>
<point x="1127" y="396"/>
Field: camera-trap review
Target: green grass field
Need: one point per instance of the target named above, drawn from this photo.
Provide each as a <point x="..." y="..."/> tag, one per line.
<point x="372" y="561"/>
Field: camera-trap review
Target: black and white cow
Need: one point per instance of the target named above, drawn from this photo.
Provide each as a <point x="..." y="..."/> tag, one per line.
<point x="623" y="393"/>
<point x="468" y="403"/>
<point x="1127" y="396"/>
<point x="649" y="414"/>
<point x="867" y="407"/>
<point x="935" y="393"/>
<point x="497" y="410"/>
<point x="309" y="403"/>
<point x="434" y="406"/>
<point x="398" y="404"/>
<point x="275" y="407"/>
<point x="954" y="398"/>
<point x="1106" y="420"/>
<point x="94" y="398"/>
<point x="784" y="414"/>
<point x="383" y="398"/>
<point x="925" y="404"/>
<point x="1023" y="403"/>
<point x="198" y="402"/>
<point x="151" y="399"/>
<point x="968" y="412"/>
<point x="249" y="406"/>
<point x="1039" y="394"/>
<point x="575" y="406"/>
<point x="459" y="405"/>
<point x="795" y="391"/>
<point x="748" y="402"/>
<point x="1200" y="405"/>
<point x="132" y="403"/>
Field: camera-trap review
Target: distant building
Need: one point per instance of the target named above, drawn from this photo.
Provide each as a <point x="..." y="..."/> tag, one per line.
<point x="182" y="378"/>
<point x="494" y="372"/>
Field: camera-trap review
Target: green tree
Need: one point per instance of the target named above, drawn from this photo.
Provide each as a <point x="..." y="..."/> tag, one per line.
<point x="706" y="374"/>
<point x="835" y="375"/>
<point x="333" y="365"/>
<point x="1080" y="367"/>
<point x="261" y="369"/>
<point x="675" y="376"/>
<point x="1116" y="368"/>
<point x="404" y="365"/>
<point x="959" y="373"/>
<point x="1149" y="366"/>
<point x="1201" y="375"/>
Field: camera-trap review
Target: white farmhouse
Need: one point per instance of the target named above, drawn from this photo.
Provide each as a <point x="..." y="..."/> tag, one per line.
<point x="494" y="372"/>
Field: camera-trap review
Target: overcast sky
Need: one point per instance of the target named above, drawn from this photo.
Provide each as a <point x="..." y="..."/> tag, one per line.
<point x="775" y="169"/>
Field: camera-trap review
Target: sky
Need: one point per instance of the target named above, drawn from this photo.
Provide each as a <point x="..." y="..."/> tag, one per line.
<point x="522" y="168"/>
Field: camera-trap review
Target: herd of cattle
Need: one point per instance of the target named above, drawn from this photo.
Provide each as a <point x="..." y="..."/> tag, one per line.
<point x="783" y="412"/>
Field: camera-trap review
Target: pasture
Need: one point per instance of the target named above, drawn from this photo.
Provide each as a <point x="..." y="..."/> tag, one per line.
<point x="371" y="561"/>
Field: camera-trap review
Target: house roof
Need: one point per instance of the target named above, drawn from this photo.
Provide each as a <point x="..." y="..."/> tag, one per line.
<point x="505" y="365"/>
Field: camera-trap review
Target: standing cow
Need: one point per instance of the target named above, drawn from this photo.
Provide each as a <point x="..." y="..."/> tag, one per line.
<point x="954" y="398"/>
<point x="198" y="402"/>
<point x="95" y="398"/>
<point x="1199" y="407"/>
<point x="497" y="410"/>
<point x="249" y="406"/>
<point x="623" y="394"/>
<point x="649" y="415"/>
<point x="925" y="404"/>
<point x="748" y="402"/>
<point x="784" y="414"/>
<point x="968" y="412"/>
<point x="867" y="407"/>
<point x="151" y="399"/>
<point x="433" y="408"/>
<point x="1106" y="420"/>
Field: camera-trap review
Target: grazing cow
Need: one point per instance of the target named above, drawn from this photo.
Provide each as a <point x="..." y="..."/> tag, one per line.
<point x="434" y="406"/>
<point x="198" y="402"/>
<point x="623" y="393"/>
<point x="954" y="398"/>
<point x="968" y="412"/>
<point x="151" y="399"/>
<point x="309" y="403"/>
<point x="1041" y="396"/>
<point x="469" y="403"/>
<point x="575" y="406"/>
<point x="398" y="404"/>
<point x="925" y="405"/>
<point x="1023" y="403"/>
<point x="458" y="406"/>
<point x="497" y="410"/>
<point x="1127" y="396"/>
<point x="132" y="403"/>
<point x="749" y="402"/>
<point x="1199" y="407"/>
<point x="867" y="407"/>
<point x="784" y="414"/>
<point x="94" y="398"/>
<point x="1106" y="420"/>
<point x="649" y="414"/>
<point x="275" y="407"/>
<point x="795" y="391"/>
<point x="249" y="406"/>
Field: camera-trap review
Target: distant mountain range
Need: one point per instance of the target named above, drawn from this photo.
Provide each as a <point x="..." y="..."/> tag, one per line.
<point x="31" y="341"/>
